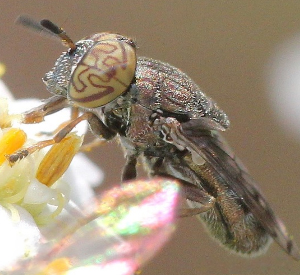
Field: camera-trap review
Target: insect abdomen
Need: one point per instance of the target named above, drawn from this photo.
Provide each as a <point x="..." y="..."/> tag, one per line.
<point x="244" y="234"/>
<point x="229" y="221"/>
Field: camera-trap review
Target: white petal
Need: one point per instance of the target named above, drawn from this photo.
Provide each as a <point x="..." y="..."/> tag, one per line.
<point x="38" y="193"/>
<point x="63" y="186"/>
<point x="83" y="175"/>
<point x="18" y="238"/>
<point x="4" y="92"/>
<point x="88" y="170"/>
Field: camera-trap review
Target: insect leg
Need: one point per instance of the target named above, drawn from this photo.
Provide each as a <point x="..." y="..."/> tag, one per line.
<point x="56" y="139"/>
<point x="190" y="191"/>
<point x="101" y="131"/>
<point x="51" y="105"/>
<point x="88" y="147"/>
<point x="194" y="193"/>
<point x="129" y="170"/>
<point x="169" y="127"/>
<point x="74" y="114"/>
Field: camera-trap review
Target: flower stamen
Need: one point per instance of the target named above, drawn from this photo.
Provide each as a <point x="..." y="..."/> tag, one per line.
<point x="58" y="159"/>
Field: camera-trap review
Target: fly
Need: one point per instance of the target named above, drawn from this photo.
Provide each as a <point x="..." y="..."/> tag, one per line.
<point x="163" y="118"/>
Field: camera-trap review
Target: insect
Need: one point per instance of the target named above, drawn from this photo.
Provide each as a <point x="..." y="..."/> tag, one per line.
<point x="162" y="117"/>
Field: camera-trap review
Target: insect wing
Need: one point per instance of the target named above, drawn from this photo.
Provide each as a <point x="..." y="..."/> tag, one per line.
<point x="116" y="233"/>
<point x="213" y="149"/>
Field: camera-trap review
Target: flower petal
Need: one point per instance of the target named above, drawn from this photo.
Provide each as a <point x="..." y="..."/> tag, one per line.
<point x="83" y="175"/>
<point x="38" y="193"/>
<point x="4" y="92"/>
<point x="19" y="237"/>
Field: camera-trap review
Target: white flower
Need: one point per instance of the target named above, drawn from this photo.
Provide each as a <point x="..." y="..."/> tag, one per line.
<point x="4" y="92"/>
<point x="115" y="233"/>
<point x="18" y="238"/>
<point x="82" y="173"/>
<point x="24" y="200"/>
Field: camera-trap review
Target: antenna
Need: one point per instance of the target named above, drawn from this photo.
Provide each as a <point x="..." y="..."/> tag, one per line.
<point x="46" y="27"/>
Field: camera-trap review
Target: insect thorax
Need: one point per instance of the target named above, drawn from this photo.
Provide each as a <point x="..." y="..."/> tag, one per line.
<point x="163" y="86"/>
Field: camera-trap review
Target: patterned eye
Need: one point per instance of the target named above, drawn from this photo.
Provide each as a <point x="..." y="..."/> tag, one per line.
<point x="104" y="72"/>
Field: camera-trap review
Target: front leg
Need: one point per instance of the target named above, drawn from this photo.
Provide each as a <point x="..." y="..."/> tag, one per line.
<point x="51" y="105"/>
<point x="96" y="126"/>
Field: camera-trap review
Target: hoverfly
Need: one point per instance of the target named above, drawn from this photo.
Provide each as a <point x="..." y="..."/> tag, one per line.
<point x="162" y="117"/>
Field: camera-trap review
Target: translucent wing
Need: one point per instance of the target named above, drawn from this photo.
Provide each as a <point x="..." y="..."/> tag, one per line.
<point x="213" y="149"/>
<point x="129" y="224"/>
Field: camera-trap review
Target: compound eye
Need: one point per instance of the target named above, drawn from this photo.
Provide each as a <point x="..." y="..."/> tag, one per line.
<point x="104" y="73"/>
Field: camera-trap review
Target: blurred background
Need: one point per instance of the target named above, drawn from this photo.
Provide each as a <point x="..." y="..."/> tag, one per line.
<point x="244" y="54"/>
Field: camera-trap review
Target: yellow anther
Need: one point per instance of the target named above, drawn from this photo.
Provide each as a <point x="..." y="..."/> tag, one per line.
<point x="11" y="141"/>
<point x="58" y="159"/>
